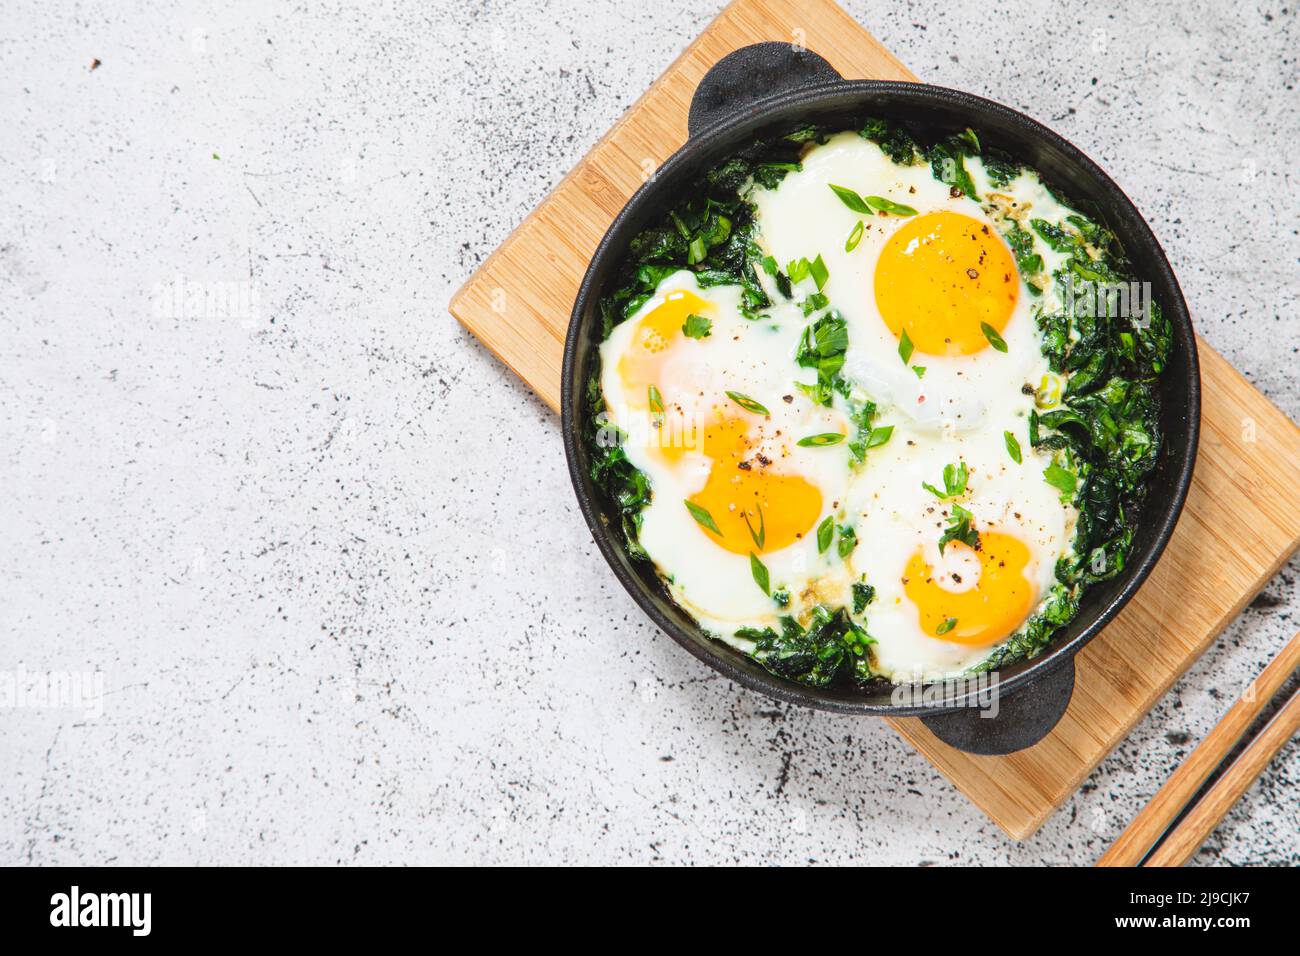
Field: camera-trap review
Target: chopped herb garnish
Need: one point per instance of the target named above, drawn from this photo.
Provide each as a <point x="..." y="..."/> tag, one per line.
<point x="817" y="269"/>
<point x="814" y="303"/>
<point x="759" y="570"/>
<point x="703" y="517"/>
<point x="759" y="536"/>
<point x="748" y="404"/>
<point x="851" y="199"/>
<point x="829" y="648"/>
<point x="1013" y="447"/>
<point x="946" y="626"/>
<point x="822" y="347"/>
<point x="919" y="370"/>
<point x="991" y="334"/>
<point x="1060" y="479"/>
<point x="905" y="347"/>
<point x="696" y="251"/>
<point x="825" y="531"/>
<point x="848" y="541"/>
<point x="863" y="594"/>
<point x="879" y="436"/>
<point x="959" y="530"/>
<point x="889" y="206"/>
<point x="697" y="327"/>
<point x="1097" y="414"/>
<point x="854" y="237"/>
<point x="656" y="401"/>
<point x="954" y="481"/>
<point x="818" y="441"/>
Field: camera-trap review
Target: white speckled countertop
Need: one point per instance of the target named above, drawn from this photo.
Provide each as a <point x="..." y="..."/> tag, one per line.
<point x="322" y="545"/>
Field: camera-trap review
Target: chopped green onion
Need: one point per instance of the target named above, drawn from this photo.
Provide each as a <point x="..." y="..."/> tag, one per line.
<point x="818" y="441"/>
<point x="703" y="517"/>
<point x="1013" y="447"/>
<point x="854" y="237"/>
<point x="825" y="531"/>
<point x="905" y="347"/>
<point x="991" y="334"/>
<point x="748" y="404"/>
<point x="759" y="570"/>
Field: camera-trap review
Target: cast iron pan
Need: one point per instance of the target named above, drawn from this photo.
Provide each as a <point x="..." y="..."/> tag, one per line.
<point x="773" y="86"/>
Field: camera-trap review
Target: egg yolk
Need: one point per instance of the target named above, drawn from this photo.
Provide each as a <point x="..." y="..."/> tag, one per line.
<point x="641" y="369"/>
<point x="984" y="614"/>
<point x="939" y="277"/>
<point x="639" y="365"/>
<point x="745" y="498"/>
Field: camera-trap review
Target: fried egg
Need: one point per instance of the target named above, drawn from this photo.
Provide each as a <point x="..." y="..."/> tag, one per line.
<point x="957" y="532"/>
<point x="715" y="422"/>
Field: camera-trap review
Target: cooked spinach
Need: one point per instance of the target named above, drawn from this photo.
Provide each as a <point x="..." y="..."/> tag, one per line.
<point x="1105" y="432"/>
<point x="892" y="139"/>
<point x="832" y="647"/>
<point x="1000" y="167"/>
<point x="863" y="594"/>
<point x="710" y="232"/>
<point x="627" y="486"/>
<point x="947" y="161"/>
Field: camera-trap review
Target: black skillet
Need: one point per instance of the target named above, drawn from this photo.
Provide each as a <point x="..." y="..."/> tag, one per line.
<point x="772" y="86"/>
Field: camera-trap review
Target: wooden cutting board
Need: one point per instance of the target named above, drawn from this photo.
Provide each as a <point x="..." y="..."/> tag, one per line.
<point x="1241" y="521"/>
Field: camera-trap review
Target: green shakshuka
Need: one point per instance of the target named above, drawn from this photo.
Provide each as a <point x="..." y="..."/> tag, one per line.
<point x="874" y="410"/>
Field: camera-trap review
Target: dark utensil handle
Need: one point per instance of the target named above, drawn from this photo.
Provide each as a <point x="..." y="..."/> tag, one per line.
<point x="746" y="77"/>
<point x="1023" y="718"/>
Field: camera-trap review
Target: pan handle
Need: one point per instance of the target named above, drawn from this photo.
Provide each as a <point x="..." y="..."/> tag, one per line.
<point x="1022" y="719"/>
<point x="744" y="78"/>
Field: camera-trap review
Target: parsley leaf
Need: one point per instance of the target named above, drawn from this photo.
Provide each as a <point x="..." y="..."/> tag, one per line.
<point x="954" y="481"/>
<point x="1060" y="479"/>
<point x="697" y="327"/>
<point x="959" y="530"/>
